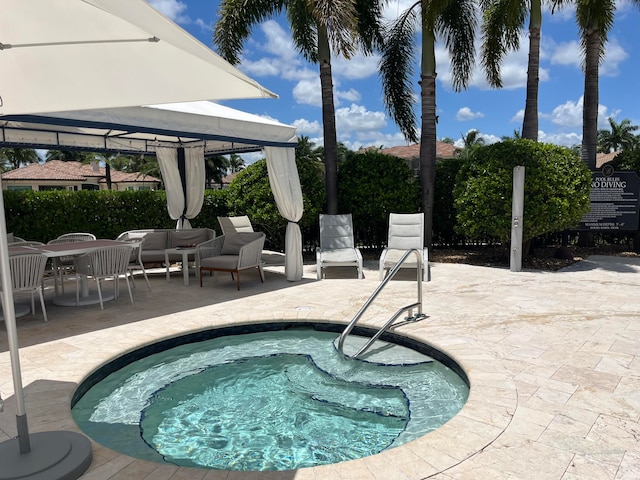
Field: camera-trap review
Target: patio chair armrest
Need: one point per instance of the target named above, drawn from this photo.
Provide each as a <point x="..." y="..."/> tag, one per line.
<point x="210" y="248"/>
<point x="250" y="253"/>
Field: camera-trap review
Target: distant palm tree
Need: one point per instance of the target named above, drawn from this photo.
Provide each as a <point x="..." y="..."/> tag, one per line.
<point x="320" y="29"/>
<point x="471" y="141"/>
<point x="12" y="158"/>
<point x="454" y="22"/>
<point x="595" y="20"/>
<point x="501" y="28"/>
<point x="67" y="155"/>
<point x="236" y="163"/>
<point x="215" y="168"/>
<point x="620" y="137"/>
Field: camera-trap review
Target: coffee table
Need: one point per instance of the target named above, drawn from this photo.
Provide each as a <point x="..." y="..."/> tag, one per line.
<point x="185" y="252"/>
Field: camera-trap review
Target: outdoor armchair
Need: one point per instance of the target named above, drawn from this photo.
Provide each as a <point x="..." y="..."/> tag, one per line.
<point x="231" y="253"/>
<point x="337" y="247"/>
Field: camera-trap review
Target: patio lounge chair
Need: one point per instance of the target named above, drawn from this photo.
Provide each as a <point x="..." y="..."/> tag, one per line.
<point x="240" y="224"/>
<point x="337" y="248"/>
<point x="406" y="231"/>
<point x="232" y="253"/>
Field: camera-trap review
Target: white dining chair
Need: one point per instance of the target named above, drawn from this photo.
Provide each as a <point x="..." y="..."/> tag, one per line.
<point x="102" y="264"/>
<point x="64" y="265"/>
<point x="27" y="272"/>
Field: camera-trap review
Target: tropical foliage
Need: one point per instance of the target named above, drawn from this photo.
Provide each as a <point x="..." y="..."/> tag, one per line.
<point x="11" y="158"/>
<point x="452" y="21"/>
<point x="371" y="185"/>
<point x="501" y="27"/>
<point x="320" y="29"/>
<point x="620" y="137"/>
<point x="557" y="187"/>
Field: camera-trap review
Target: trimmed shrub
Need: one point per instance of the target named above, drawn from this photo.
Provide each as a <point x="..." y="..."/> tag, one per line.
<point x="370" y="186"/>
<point x="557" y="187"/>
<point x="250" y="194"/>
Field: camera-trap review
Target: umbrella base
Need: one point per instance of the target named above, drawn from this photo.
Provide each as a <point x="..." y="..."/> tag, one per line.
<point x="54" y="456"/>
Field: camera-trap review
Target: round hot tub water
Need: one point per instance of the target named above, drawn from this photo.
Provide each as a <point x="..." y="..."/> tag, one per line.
<point x="279" y="398"/>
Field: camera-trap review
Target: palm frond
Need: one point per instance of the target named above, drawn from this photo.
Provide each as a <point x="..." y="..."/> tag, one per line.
<point x="237" y="18"/>
<point x="340" y="19"/>
<point x="457" y="25"/>
<point x="396" y="71"/>
<point x="502" y="23"/>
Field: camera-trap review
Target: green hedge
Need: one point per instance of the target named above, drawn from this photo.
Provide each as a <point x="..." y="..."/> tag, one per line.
<point x="42" y="216"/>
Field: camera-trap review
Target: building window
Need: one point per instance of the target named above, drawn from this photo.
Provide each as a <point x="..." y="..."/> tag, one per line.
<point x="19" y="187"/>
<point x="144" y="188"/>
<point x="44" y="188"/>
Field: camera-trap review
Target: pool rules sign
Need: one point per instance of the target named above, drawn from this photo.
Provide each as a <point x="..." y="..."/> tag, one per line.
<point x="614" y="202"/>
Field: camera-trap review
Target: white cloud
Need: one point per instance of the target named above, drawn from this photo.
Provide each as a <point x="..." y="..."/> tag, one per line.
<point x="518" y="117"/>
<point x="614" y="56"/>
<point x="567" y="53"/>
<point x="172" y="9"/>
<point x="357" y="118"/>
<point x="351" y="95"/>
<point x="305" y="127"/>
<point x="567" y="139"/>
<point x="278" y="41"/>
<point x="569" y="114"/>
<point x="358" y="67"/>
<point x="307" y="92"/>
<point x="465" y="114"/>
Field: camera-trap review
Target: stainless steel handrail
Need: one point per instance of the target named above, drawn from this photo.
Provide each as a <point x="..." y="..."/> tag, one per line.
<point x="408" y="308"/>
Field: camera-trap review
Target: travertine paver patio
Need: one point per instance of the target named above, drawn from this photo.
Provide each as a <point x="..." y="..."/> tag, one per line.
<point x="553" y="360"/>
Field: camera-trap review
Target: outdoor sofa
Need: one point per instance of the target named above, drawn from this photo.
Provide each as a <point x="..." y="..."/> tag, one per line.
<point x="156" y="240"/>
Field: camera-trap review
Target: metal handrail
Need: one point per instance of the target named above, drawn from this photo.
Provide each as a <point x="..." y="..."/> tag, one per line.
<point x="408" y="308"/>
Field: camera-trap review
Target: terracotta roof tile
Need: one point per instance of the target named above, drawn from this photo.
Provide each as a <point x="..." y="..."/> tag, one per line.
<point x="71" y="171"/>
<point x="602" y="158"/>
<point x="408" y="152"/>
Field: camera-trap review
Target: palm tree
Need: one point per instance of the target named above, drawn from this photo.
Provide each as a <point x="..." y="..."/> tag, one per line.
<point x="471" y="141"/>
<point x="215" y="168"/>
<point x="620" y="137"/>
<point x="595" y="20"/>
<point x="235" y="163"/>
<point x="501" y="27"/>
<point x="66" y="155"/>
<point x="453" y="21"/>
<point x="12" y="158"/>
<point x="318" y="28"/>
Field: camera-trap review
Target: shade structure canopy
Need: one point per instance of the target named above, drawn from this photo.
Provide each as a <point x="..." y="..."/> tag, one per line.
<point x="80" y="54"/>
<point x="130" y="130"/>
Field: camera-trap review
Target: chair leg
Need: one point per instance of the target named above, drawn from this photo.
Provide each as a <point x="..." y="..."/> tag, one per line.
<point x="238" y="279"/>
<point x="261" y="273"/>
<point x="129" y="288"/>
<point x="99" y="293"/>
<point x="144" y="272"/>
<point x="44" y="310"/>
<point x="200" y="277"/>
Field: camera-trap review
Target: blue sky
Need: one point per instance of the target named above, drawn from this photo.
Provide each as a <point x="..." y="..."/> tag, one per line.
<point x="270" y="58"/>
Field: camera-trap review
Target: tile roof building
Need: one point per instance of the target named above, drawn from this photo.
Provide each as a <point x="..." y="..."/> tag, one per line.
<point x="59" y="175"/>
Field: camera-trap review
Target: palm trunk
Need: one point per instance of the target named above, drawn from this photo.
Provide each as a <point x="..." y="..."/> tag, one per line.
<point x="590" y="100"/>
<point x="428" y="133"/>
<point x="530" y="122"/>
<point x="328" y="122"/>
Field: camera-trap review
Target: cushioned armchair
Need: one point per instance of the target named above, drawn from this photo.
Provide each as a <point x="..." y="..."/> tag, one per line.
<point x="231" y="253"/>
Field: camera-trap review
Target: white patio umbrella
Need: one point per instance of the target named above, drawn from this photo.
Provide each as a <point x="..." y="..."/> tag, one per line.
<point x="61" y="55"/>
<point x="58" y="55"/>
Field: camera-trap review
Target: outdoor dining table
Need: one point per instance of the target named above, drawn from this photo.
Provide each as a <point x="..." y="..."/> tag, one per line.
<point x="67" y="250"/>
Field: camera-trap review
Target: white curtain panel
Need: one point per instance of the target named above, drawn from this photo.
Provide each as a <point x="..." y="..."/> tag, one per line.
<point x="194" y="160"/>
<point x="168" y="161"/>
<point x="285" y="185"/>
<point x="195" y="178"/>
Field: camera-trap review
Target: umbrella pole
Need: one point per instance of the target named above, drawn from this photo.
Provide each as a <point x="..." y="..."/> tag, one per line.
<point x="55" y="455"/>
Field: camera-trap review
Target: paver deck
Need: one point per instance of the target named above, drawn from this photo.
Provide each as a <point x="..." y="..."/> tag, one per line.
<point x="553" y="361"/>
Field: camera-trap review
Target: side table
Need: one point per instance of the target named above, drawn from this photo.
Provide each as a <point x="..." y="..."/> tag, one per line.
<point x="185" y="252"/>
